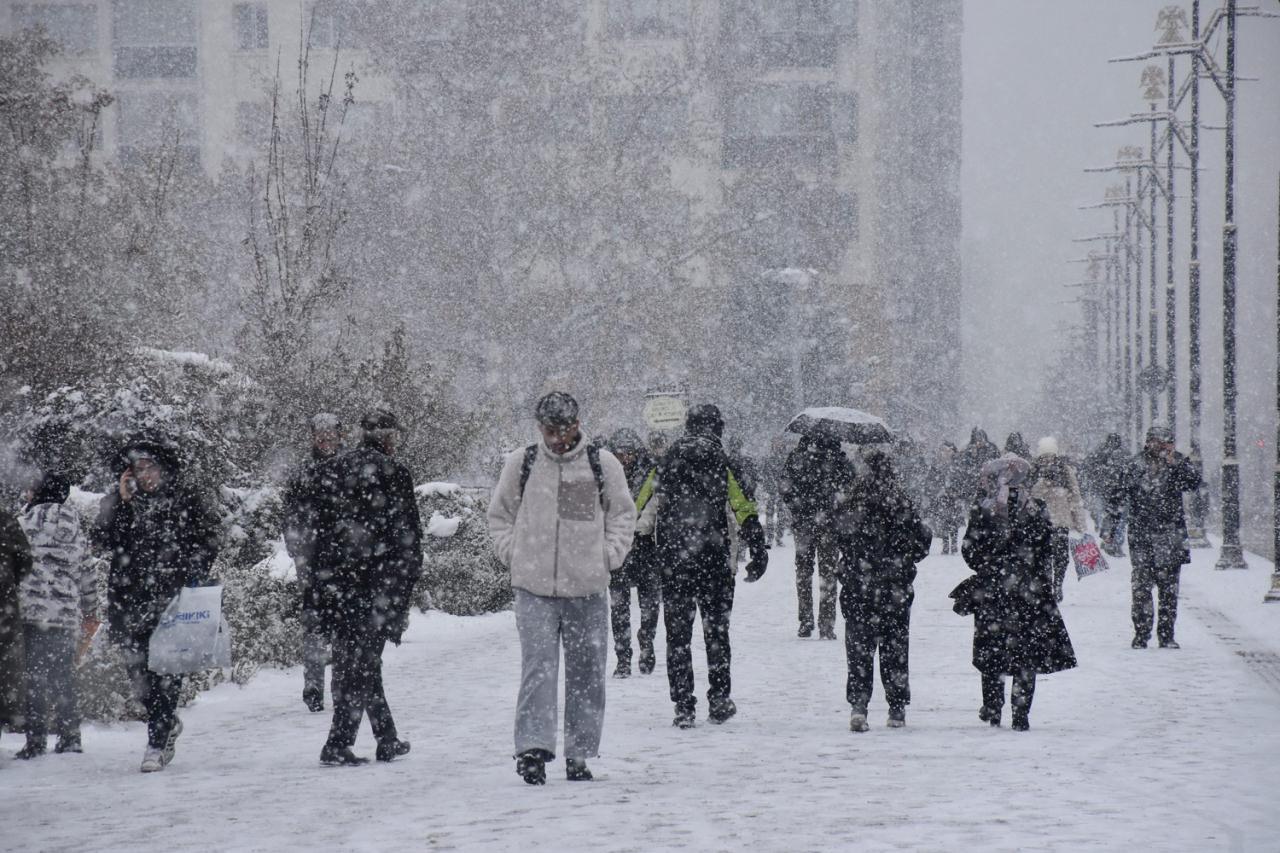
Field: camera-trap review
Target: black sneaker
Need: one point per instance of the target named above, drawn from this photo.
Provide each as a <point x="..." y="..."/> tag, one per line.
<point x="390" y="749"/>
<point x="989" y="715"/>
<point x="897" y="718"/>
<point x="575" y="770"/>
<point x="36" y="746"/>
<point x="340" y="756"/>
<point x="684" y="720"/>
<point x="1139" y="643"/>
<point x="313" y="698"/>
<point x="1021" y="723"/>
<point x="805" y="632"/>
<point x="827" y="634"/>
<point x="1169" y="644"/>
<point x="68" y="743"/>
<point x="531" y="766"/>
<point x="623" y="670"/>
<point x="647" y="660"/>
<point x="722" y="712"/>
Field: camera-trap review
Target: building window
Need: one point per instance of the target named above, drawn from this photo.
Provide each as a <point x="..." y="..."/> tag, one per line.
<point x="253" y="123"/>
<point x="564" y="119"/>
<point x="73" y="26"/>
<point x="640" y="117"/>
<point x="148" y="122"/>
<point x="251" y="26"/>
<point x="647" y="19"/>
<point x="154" y="38"/>
<point x="792" y="122"/>
<point x="789" y="33"/>
<point x="333" y="24"/>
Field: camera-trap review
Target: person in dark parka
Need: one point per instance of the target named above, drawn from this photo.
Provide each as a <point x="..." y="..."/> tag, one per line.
<point x="378" y="560"/>
<point x="816" y="472"/>
<point x="1153" y="486"/>
<point x="162" y="533"/>
<point x="695" y="483"/>
<point x="1014" y="443"/>
<point x="308" y="537"/>
<point x="968" y="464"/>
<point x="885" y="540"/>
<point x="1018" y="629"/>
<point x="640" y="569"/>
<point x="15" y="564"/>
<point x="1104" y="473"/>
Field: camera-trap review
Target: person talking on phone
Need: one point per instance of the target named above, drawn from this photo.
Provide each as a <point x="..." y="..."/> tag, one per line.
<point x="162" y="533"/>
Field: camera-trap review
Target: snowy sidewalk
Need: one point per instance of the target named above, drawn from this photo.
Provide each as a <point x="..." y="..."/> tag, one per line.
<point x="1151" y="750"/>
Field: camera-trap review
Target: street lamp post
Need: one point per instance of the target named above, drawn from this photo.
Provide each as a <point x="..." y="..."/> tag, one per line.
<point x="1199" y="500"/>
<point x="1273" y="594"/>
<point x="1231" y="556"/>
<point x="1153" y="81"/>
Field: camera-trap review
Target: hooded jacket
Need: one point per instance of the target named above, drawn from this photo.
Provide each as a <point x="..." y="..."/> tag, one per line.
<point x="62" y="587"/>
<point x="564" y="536"/>
<point x="1053" y="481"/>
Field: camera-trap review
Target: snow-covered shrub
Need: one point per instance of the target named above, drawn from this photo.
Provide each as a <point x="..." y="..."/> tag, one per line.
<point x="461" y="574"/>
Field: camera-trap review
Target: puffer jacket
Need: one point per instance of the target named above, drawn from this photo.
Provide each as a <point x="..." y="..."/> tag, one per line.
<point x="62" y="587"/>
<point x="1054" y="481"/>
<point x="559" y="538"/>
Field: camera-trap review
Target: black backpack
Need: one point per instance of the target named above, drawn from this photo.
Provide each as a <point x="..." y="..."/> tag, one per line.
<point x="593" y="459"/>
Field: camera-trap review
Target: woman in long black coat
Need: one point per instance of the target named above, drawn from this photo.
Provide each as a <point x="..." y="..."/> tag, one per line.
<point x="883" y="539"/>
<point x="1018" y="630"/>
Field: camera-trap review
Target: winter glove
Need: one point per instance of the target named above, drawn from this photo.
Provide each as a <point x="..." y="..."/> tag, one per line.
<point x="755" y="568"/>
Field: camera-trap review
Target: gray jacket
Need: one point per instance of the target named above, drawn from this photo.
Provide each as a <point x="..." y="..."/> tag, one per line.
<point x="62" y="587"/>
<point x="559" y="539"/>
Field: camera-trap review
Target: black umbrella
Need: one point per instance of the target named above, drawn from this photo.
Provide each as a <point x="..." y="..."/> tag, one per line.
<point x="849" y="426"/>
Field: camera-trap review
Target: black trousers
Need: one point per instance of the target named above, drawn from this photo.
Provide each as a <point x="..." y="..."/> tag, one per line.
<point x="1024" y="690"/>
<point x="51" y="684"/>
<point x="814" y="545"/>
<point x="357" y="687"/>
<point x="887" y="630"/>
<point x="649" y="589"/>
<point x="159" y="694"/>
<point x="1146" y="574"/>
<point x="712" y="596"/>
<point x="1060" y="557"/>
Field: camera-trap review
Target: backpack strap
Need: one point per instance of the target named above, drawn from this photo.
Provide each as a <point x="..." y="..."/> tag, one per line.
<point x="593" y="459"/>
<point x="526" y="466"/>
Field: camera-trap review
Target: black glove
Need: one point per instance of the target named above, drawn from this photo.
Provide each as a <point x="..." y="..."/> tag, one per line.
<point x="755" y="568"/>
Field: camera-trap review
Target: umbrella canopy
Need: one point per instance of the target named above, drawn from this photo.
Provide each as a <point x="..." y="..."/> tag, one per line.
<point x="845" y="425"/>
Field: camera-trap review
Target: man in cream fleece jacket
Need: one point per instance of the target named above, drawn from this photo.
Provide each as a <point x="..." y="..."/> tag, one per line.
<point x="562" y="520"/>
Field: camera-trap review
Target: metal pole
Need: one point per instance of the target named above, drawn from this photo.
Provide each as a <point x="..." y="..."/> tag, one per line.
<point x="1170" y="295"/>
<point x="1273" y="594"/>
<point x="1199" y="500"/>
<point x="1135" y="202"/>
<point x="1231" y="556"/>
<point x="1130" y="425"/>
<point x="1153" y="332"/>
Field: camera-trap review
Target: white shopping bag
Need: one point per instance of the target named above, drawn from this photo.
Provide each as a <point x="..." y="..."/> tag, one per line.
<point x="192" y="635"/>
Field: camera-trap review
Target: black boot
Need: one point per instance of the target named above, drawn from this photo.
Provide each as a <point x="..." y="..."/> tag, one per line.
<point x="340" y="756"/>
<point x="722" y="712"/>
<point x="624" y="668"/>
<point x="647" y="659"/>
<point x="313" y="697"/>
<point x="575" y="770"/>
<point x="389" y="749"/>
<point x="36" y="746"/>
<point x="531" y="765"/>
<point x="68" y="743"/>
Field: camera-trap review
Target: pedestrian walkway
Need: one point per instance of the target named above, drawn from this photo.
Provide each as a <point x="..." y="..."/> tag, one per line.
<point x="1152" y="750"/>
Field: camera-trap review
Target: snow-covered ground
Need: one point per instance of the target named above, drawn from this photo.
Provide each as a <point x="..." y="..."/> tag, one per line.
<point x="1151" y="750"/>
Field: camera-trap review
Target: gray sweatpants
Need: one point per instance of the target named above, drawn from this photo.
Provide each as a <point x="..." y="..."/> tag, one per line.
<point x="582" y="626"/>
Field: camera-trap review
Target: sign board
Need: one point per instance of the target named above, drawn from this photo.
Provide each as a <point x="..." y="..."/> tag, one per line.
<point x="664" y="413"/>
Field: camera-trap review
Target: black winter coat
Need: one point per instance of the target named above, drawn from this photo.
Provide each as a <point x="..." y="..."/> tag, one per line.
<point x="814" y="482"/>
<point x="15" y="564"/>
<point x="1017" y="625"/>
<point x="1105" y="470"/>
<point x="967" y="466"/>
<point x="377" y="543"/>
<point x="886" y="540"/>
<point x="307" y="519"/>
<point x="159" y="542"/>
<point x="694" y="494"/>
<point x="1152" y="490"/>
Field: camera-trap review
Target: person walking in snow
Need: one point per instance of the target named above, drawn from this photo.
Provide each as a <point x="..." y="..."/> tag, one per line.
<point x="308" y="537"/>
<point x="816" y="471"/>
<point x="696" y="481"/>
<point x="1105" y="471"/>
<point x="162" y="533"/>
<point x="377" y="542"/>
<point x="562" y="520"/>
<point x="944" y="507"/>
<point x="1017" y="628"/>
<point x="1053" y="481"/>
<point x="968" y="465"/>
<point x="885" y="540"/>
<point x="640" y="569"/>
<point x="59" y="608"/>
<point x="772" y="471"/>
<point x="1153" y="485"/>
<point x="1017" y="445"/>
<point x="15" y="564"/>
